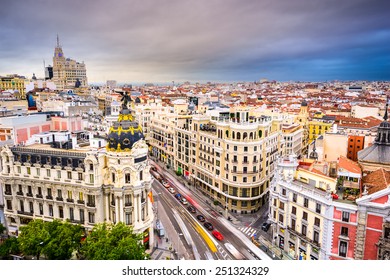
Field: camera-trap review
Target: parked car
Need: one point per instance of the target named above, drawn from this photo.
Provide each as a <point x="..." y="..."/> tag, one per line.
<point x="183" y="200"/>
<point x="217" y="235"/>
<point x="192" y="209"/>
<point x="265" y="226"/>
<point x="178" y="196"/>
<point x="208" y="225"/>
<point x="201" y="218"/>
<point x="171" y="190"/>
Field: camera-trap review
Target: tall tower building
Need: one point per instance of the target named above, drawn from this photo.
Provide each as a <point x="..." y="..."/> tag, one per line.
<point x="67" y="72"/>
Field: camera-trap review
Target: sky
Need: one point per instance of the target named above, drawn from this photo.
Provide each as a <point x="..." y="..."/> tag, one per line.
<point x="201" y="40"/>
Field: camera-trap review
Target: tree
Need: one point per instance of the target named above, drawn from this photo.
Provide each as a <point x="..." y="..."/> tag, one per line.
<point x="113" y="242"/>
<point x="8" y="247"/>
<point x="56" y="240"/>
<point x="32" y="238"/>
<point x="64" y="240"/>
<point x="2" y="228"/>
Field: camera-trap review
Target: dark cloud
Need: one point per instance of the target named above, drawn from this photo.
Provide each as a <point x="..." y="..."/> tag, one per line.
<point x="200" y="40"/>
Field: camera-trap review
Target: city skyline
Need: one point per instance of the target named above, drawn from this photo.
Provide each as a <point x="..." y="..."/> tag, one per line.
<point x="144" y="41"/>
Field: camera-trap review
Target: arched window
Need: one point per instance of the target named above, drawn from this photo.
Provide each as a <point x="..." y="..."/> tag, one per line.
<point x="244" y="135"/>
<point x="233" y="135"/>
<point x="260" y="133"/>
<point x="251" y="135"/>
<point x="127" y="178"/>
<point x="238" y="135"/>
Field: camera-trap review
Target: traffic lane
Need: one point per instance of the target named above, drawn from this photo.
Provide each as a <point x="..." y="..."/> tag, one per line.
<point x="170" y="202"/>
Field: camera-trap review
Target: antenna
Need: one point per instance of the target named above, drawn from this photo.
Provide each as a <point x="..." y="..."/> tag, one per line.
<point x="58" y="41"/>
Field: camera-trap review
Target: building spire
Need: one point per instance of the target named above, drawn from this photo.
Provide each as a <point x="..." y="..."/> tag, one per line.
<point x="385" y="117"/>
<point x="58" y="41"/>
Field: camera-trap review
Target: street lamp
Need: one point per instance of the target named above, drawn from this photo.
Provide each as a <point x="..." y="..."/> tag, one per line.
<point x="226" y="205"/>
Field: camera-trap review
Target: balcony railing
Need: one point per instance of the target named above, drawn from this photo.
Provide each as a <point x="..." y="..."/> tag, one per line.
<point x="25" y="213"/>
<point x="90" y="204"/>
<point x="19" y="193"/>
<point x="8" y="192"/>
<point x="70" y="200"/>
<point x="59" y="199"/>
<point x="80" y="201"/>
<point x="29" y="194"/>
<point x="304" y="237"/>
<point x="39" y="196"/>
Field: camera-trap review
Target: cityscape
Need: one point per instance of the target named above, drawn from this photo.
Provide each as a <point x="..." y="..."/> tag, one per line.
<point x="191" y="152"/>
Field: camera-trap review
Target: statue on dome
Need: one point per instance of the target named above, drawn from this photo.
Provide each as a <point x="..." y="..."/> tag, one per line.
<point x="125" y="99"/>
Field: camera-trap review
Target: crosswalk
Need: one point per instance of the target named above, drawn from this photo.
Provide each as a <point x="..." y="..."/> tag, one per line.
<point x="249" y="231"/>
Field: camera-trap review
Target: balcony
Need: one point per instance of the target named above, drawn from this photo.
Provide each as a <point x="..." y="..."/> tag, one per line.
<point x="128" y="204"/>
<point x="59" y="199"/>
<point x="29" y="194"/>
<point x="91" y="204"/>
<point x="8" y="192"/>
<point x="245" y="162"/>
<point x="19" y="193"/>
<point x="80" y="201"/>
<point x="25" y="213"/>
<point x="39" y="196"/>
<point x="49" y="197"/>
<point x="70" y="200"/>
<point x="304" y="237"/>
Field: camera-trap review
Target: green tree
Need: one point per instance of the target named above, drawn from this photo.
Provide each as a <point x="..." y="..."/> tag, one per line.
<point x="56" y="240"/>
<point x="113" y="242"/>
<point x="2" y="228"/>
<point x="8" y="247"/>
<point x="64" y="240"/>
<point x="32" y="238"/>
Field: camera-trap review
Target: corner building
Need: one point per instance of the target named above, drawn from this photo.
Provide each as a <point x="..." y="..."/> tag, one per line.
<point x="83" y="187"/>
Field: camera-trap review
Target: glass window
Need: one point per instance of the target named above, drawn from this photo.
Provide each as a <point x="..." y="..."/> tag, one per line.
<point x="343" y="249"/>
<point x="345" y="217"/>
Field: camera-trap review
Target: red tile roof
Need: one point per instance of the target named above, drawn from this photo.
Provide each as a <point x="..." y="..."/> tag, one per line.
<point x="349" y="165"/>
<point x="377" y="180"/>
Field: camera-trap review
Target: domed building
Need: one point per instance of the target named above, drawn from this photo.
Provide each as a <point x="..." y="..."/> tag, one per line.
<point x="127" y="182"/>
<point x="84" y="186"/>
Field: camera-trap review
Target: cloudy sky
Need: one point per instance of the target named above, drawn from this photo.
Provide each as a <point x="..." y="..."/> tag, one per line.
<point x="200" y="40"/>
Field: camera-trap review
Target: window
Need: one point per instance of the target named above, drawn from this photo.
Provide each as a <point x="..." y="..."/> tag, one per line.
<point x="293" y="224"/>
<point x="113" y="177"/>
<point x="275" y="202"/>
<point x="244" y="180"/>
<point x="345" y="217"/>
<point x="51" y="210"/>
<point x="316" y="236"/>
<point x="304" y="216"/>
<point x="71" y="214"/>
<point x="281" y="218"/>
<point x="281" y="205"/>
<point x="306" y="202"/>
<point x="39" y="190"/>
<point x="80" y="176"/>
<point x="234" y="179"/>
<point x="304" y="229"/>
<point x="81" y="196"/>
<point x="59" y="193"/>
<point x="29" y="190"/>
<point x="61" y="211"/>
<point x="28" y="170"/>
<point x="294" y="197"/>
<point x="91" y="217"/>
<point x="245" y="149"/>
<point x="69" y="194"/>
<point x="91" y="200"/>
<point x="294" y="210"/>
<point x="344" y="231"/>
<point x="49" y="196"/>
<point x="38" y="172"/>
<point x="9" y="204"/>
<point x="343" y="249"/>
<point x="318" y="208"/>
<point x="283" y="191"/>
<point x="58" y="174"/>
<point x="69" y="173"/>
<point x="48" y="173"/>
<point x="8" y="189"/>
<point x="127" y="178"/>
<point x="40" y="208"/>
<point x="90" y="167"/>
<point x="91" y="178"/>
<point x="19" y="169"/>
<point x="141" y="175"/>
<point x="82" y="218"/>
<point x="235" y="148"/>
<point x="128" y="218"/>
<point x="317" y="222"/>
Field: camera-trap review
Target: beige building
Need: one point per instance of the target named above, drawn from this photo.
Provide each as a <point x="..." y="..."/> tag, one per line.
<point x="68" y="73"/>
<point x="84" y="186"/>
<point x="227" y="153"/>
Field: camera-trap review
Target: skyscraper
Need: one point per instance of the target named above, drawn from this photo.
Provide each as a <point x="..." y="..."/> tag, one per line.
<point x="67" y="71"/>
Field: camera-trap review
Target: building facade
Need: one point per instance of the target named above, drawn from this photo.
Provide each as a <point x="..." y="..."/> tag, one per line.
<point x="68" y="73"/>
<point x="82" y="186"/>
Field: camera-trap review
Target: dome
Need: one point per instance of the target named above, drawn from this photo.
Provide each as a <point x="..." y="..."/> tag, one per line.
<point x="137" y="100"/>
<point x="124" y="133"/>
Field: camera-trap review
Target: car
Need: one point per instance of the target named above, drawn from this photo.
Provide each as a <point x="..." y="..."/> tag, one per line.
<point x="153" y="168"/>
<point x="178" y="196"/>
<point x="217" y="235"/>
<point x="192" y="209"/>
<point x="171" y="190"/>
<point x="201" y="218"/>
<point x="183" y="200"/>
<point x="265" y="226"/>
<point x="208" y="225"/>
<point x="335" y="196"/>
<point x="165" y="184"/>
